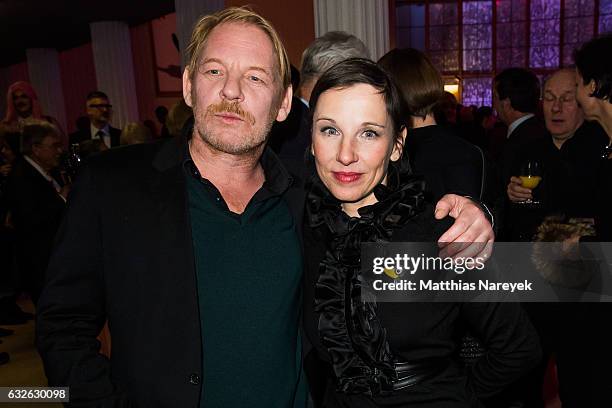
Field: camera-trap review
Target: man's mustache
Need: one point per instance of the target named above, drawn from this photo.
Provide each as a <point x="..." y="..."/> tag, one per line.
<point x="231" y="107"/>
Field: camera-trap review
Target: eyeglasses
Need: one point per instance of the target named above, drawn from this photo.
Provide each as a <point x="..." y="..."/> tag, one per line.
<point x="561" y="100"/>
<point x="101" y="106"/>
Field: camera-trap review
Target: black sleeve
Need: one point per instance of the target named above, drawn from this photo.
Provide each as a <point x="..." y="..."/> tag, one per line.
<point x="34" y="212"/>
<point x="512" y="347"/>
<point x="465" y="177"/>
<point x="71" y="309"/>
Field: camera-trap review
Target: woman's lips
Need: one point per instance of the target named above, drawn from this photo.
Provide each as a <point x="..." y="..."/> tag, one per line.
<point x="346" y="177"/>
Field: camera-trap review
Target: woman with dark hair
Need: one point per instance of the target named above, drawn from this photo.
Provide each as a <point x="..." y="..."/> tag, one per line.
<point x="448" y="163"/>
<point x="385" y="354"/>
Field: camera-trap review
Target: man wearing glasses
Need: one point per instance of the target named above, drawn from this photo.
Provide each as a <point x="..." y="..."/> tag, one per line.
<point x="99" y="111"/>
<point x="568" y="154"/>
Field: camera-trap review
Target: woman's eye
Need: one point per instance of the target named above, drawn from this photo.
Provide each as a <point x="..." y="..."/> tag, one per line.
<point x="214" y="72"/>
<point x="370" y="134"/>
<point x="330" y="131"/>
<point x="254" y="78"/>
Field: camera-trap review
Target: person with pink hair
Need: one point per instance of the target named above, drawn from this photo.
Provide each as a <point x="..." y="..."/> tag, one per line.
<point x="22" y="106"/>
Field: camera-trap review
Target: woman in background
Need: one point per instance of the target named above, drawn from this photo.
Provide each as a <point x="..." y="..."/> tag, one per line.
<point x="448" y="163"/>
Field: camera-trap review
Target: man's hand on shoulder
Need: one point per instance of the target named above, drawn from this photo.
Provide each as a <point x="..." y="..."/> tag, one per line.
<point x="471" y="234"/>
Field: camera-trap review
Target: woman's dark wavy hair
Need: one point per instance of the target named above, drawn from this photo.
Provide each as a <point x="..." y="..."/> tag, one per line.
<point x="594" y="62"/>
<point x="354" y="71"/>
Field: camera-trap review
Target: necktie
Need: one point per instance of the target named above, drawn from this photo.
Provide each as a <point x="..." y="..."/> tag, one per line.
<point x="104" y="138"/>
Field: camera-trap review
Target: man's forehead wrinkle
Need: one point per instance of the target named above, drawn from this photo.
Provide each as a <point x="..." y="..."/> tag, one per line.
<point x="242" y="64"/>
<point x="561" y="78"/>
<point x="233" y="32"/>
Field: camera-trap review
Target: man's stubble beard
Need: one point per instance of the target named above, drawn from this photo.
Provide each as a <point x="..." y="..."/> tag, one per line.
<point x="251" y="143"/>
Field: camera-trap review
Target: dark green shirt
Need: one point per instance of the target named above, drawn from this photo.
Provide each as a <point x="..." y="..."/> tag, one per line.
<point x="249" y="290"/>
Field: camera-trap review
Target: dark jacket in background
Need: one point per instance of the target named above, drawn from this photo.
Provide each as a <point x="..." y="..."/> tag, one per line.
<point x="82" y="135"/>
<point x="36" y="211"/>
<point x="292" y="137"/>
<point x="448" y="163"/>
<point x="527" y="132"/>
<point x="530" y="131"/>
<point x="570" y="180"/>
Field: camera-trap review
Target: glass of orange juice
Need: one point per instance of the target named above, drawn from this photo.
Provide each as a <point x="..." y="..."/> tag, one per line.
<point x="531" y="175"/>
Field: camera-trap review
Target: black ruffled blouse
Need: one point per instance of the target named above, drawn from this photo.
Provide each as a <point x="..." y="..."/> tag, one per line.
<point x="356" y="343"/>
<point x="349" y="328"/>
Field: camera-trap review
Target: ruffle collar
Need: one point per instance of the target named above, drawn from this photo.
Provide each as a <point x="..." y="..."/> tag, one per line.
<point x="348" y="326"/>
<point x="398" y="201"/>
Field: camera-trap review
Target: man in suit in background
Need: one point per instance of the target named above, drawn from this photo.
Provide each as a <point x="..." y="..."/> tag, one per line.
<point x="292" y="137"/>
<point x="36" y="202"/>
<point x="100" y="111"/>
<point x="516" y="94"/>
<point x="569" y="155"/>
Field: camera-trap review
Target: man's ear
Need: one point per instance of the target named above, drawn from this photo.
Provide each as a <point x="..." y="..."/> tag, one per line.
<point x="285" y="106"/>
<point x="398" y="145"/>
<point x="505" y="104"/>
<point x="187" y="87"/>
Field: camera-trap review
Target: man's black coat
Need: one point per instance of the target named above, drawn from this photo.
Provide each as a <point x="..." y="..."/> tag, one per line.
<point x="36" y="211"/>
<point x="124" y="252"/>
<point x="526" y="133"/>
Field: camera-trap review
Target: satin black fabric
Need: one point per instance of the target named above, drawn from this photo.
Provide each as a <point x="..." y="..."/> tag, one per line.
<point x="355" y="343"/>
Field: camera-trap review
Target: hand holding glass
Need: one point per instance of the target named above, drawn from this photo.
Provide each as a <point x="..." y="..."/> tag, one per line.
<point x="530" y="175"/>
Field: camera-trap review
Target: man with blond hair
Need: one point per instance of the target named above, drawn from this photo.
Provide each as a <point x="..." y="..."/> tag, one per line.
<point x="191" y="248"/>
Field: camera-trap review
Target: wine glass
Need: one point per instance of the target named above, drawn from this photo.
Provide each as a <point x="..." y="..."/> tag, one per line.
<point x="530" y="175"/>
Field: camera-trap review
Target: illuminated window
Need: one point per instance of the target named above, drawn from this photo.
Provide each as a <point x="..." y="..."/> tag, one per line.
<point x="511" y="35"/>
<point x="605" y="16"/>
<point x="474" y="40"/>
<point x="477" y="37"/>
<point x="477" y="91"/>
<point x="578" y="26"/>
<point x="443" y="44"/>
<point x="544" y="34"/>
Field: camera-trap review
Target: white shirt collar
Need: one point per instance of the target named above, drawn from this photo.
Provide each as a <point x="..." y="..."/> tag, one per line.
<point x="95" y="130"/>
<point x="38" y="168"/>
<point x="305" y="102"/>
<point x="517" y="122"/>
